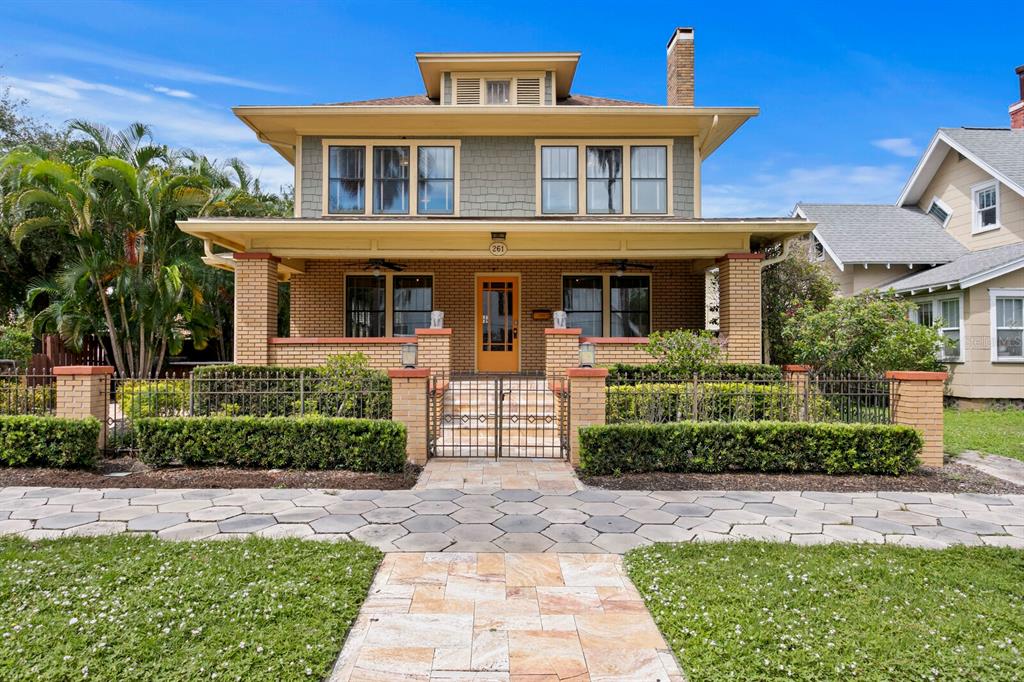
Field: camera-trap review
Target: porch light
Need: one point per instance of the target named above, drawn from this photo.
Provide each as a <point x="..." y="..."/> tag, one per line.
<point x="409" y="355"/>
<point x="588" y="354"/>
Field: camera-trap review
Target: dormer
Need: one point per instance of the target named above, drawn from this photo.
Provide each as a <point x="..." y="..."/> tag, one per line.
<point x="498" y="79"/>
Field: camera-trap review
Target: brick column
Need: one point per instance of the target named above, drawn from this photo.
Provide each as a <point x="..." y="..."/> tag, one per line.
<point x="434" y="349"/>
<point x="561" y="350"/>
<point x="739" y="316"/>
<point x="917" y="402"/>
<point x="255" y="307"/>
<point x="409" y="406"/>
<point x="797" y="376"/>
<point x="586" y="403"/>
<point x="83" y="392"/>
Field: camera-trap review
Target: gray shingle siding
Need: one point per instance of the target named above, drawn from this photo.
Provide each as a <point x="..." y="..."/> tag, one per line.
<point x="312" y="177"/>
<point x="682" y="177"/>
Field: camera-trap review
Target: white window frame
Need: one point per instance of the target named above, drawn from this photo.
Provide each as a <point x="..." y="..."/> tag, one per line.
<point x="935" y="303"/>
<point x="945" y="208"/>
<point x="817" y="249"/>
<point x="606" y="297"/>
<point x="389" y="298"/>
<point x="994" y="294"/>
<point x="976" y="227"/>
<point x="581" y="173"/>
<point x="414" y="179"/>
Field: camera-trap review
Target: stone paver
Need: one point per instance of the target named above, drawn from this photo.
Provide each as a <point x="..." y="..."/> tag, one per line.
<point x="1006" y="468"/>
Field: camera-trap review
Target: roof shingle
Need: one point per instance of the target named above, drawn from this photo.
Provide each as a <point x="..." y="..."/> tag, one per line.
<point x="969" y="265"/>
<point x="1000" y="148"/>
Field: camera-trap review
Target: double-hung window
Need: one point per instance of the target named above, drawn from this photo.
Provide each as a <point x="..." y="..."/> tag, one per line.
<point x="604" y="179"/>
<point x="630" y="305"/>
<point x="648" y="171"/>
<point x="608" y="305"/>
<point x="583" y="302"/>
<point x="948" y="313"/>
<point x="412" y="300"/>
<point x="391" y="180"/>
<point x="365" y="313"/>
<point x="985" y="204"/>
<point x="559" y="180"/>
<point x="436" y="171"/>
<point x="1007" y="325"/>
<point x="346" y="184"/>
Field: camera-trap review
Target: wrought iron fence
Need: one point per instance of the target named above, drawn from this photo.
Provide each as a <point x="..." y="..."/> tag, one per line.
<point x="27" y="391"/>
<point x="807" y="397"/>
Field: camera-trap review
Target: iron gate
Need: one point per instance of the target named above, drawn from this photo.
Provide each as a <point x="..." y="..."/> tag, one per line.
<point x="474" y="415"/>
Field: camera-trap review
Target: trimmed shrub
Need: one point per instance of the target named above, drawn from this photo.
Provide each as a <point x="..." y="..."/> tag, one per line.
<point x="48" y="441"/>
<point x="766" y="446"/>
<point x="274" y="442"/>
<point x="620" y="374"/>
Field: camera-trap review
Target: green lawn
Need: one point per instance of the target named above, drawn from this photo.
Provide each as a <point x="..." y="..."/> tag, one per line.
<point x="131" y="608"/>
<point x="766" y="611"/>
<point x="996" y="432"/>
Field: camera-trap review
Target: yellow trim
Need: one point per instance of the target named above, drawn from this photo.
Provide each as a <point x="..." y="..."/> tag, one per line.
<point x="606" y="294"/>
<point x="434" y="64"/>
<point x="581" y="172"/>
<point x="368" y="145"/>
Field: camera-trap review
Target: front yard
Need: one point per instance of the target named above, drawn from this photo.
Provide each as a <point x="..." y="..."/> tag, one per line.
<point x="136" y="608"/>
<point x="994" y="432"/>
<point x="759" y="611"/>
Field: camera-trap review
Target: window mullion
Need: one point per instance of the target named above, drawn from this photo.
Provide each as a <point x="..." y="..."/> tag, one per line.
<point x="627" y="179"/>
<point x="606" y="305"/>
<point x="414" y="181"/>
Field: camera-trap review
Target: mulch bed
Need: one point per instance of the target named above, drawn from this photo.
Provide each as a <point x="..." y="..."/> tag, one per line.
<point x="141" y="476"/>
<point x="952" y="478"/>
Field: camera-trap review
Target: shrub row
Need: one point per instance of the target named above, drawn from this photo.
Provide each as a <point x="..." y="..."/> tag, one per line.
<point x="726" y="371"/>
<point x="48" y="441"/>
<point x="274" y="442"/>
<point x="766" y="446"/>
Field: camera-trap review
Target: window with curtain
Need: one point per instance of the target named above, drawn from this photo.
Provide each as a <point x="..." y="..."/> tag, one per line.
<point x="499" y="92"/>
<point x="604" y="179"/>
<point x="412" y="300"/>
<point x="364" y="306"/>
<point x="346" y="180"/>
<point x="630" y="305"/>
<point x="583" y="302"/>
<point x="390" y="179"/>
<point x="559" y="174"/>
<point x="648" y="170"/>
<point x="435" y="168"/>
<point x="1009" y="327"/>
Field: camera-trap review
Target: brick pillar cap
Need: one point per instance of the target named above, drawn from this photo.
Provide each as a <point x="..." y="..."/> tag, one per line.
<point x="917" y="376"/>
<point x="409" y="373"/>
<point x="740" y="256"/>
<point x="434" y="332"/>
<point x="83" y="370"/>
<point x="570" y="331"/>
<point x="574" y="372"/>
<point x="796" y="368"/>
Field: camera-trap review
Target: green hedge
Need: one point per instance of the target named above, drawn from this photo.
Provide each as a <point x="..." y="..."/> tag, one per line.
<point x="274" y="442"/>
<point x="726" y="371"/>
<point x="768" y="446"/>
<point x="48" y="441"/>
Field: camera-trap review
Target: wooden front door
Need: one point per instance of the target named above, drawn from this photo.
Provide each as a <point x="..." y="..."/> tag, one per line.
<point x="497" y="323"/>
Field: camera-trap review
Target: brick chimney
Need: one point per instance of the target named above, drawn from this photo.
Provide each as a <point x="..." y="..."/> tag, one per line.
<point x="680" y="68"/>
<point x="1017" y="110"/>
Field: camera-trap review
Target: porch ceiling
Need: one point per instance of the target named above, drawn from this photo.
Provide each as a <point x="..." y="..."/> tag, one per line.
<point x="471" y="239"/>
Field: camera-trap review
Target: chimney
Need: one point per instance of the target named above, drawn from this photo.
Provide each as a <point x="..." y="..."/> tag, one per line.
<point x="680" y="68"/>
<point x="1017" y="110"/>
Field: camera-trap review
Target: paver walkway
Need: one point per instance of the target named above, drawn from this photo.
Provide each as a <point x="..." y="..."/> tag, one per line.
<point x="502" y="618"/>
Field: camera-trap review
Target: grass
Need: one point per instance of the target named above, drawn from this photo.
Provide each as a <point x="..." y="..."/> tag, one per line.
<point x="996" y="432"/>
<point x="766" y="611"/>
<point x="131" y="608"/>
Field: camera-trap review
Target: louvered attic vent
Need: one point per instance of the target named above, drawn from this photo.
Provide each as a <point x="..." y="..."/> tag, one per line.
<point x="467" y="90"/>
<point x="528" y="91"/>
<point x="497" y="89"/>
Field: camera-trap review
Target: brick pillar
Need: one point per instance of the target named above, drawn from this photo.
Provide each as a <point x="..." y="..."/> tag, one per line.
<point x="561" y="350"/>
<point x="586" y="403"/>
<point x="255" y="307"/>
<point x="739" y="316"/>
<point x="409" y="406"/>
<point x="434" y="349"/>
<point x="917" y="402"/>
<point x="82" y="392"/>
<point x="797" y="377"/>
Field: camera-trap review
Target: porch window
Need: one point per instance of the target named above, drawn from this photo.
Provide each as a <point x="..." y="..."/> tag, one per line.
<point x="1008" y="327"/>
<point x="583" y="302"/>
<point x="412" y="300"/>
<point x="648" y="171"/>
<point x="346" y="180"/>
<point x="436" y="171"/>
<point x="604" y="179"/>
<point x="364" y="306"/>
<point x="391" y="180"/>
<point x="559" y="180"/>
<point x="630" y="305"/>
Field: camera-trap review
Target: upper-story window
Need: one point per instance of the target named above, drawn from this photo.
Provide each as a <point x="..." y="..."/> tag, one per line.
<point x="436" y="171"/>
<point x="559" y="179"/>
<point x="346" y="185"/>
<point x="817" y="249"/>
<point x="940" y="211"/>
<point x="390" y="179"/>
<point x="496" y="89"/>
<point x="649" y="179"/>
<point x="499" y="92"/>
<point x="604" y="179"/>
<point x="985" y="203"/>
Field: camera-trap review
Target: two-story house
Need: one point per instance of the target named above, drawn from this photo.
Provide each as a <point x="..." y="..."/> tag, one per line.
<point x="497" y="196"/>
<point x="954" y="243"/>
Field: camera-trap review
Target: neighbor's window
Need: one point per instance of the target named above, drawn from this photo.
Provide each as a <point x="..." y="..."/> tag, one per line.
<point x="949" y="314"/>
<point x="346" y="180"/>
<point x="559" y="175"/>
<point x="648" y="170"/>
<point x="499" y="92"/>
<point x="436" y="170"/>
<point x="390" y="179"/>
<point x="364" y="306"/>
<point x="583" y="302"/>
<point x="986" y="207"/>
<point x="413" y="299"/>
<point x="630" y="305"/>
<point x="1009" y="327"/>
<point x="939" y="211"/>
<point x="817" y="249"/>
<point x="604" y="179"/>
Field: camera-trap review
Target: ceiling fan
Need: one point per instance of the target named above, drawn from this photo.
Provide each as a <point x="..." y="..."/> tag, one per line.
<point x="623" y="264"/>
<point x="377" y="264"/>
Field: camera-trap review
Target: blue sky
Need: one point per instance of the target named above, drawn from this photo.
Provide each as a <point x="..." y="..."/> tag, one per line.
<point x="849" y="92"/>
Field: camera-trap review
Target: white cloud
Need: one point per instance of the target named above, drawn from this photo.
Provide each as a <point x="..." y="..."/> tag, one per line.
<point x="172" y="92"/>
<point x="900" y="146"/>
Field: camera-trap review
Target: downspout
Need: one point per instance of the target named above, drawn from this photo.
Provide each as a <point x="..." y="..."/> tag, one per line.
<point x="781" y="257"/>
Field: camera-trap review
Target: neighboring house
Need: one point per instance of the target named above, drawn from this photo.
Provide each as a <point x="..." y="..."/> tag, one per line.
<point x="954" y="243"/>
<point x="497" y="196"/>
